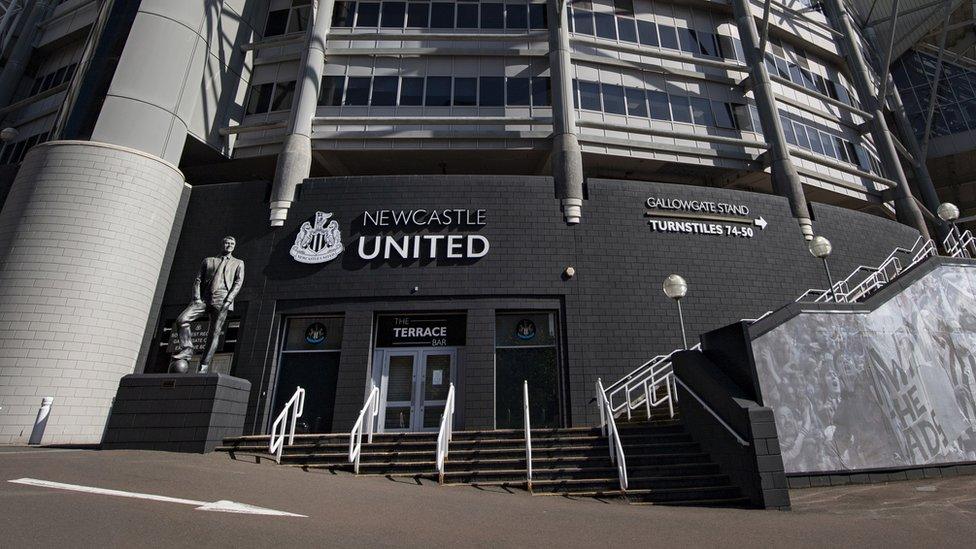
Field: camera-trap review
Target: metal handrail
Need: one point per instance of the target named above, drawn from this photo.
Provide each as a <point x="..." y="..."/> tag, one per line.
<point x="370" y="409"/>
<point x="958" y="244"/>
<point x="528" y="434"/>
<point x="879" y="277"/>
<point x="295" y="405"/>
<point x="445" y="434"/>
<point x="608" y="426"/>
<point x="728" y="427"/>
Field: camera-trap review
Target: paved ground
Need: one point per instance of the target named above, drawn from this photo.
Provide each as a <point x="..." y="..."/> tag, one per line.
<point x="377" y="512"/>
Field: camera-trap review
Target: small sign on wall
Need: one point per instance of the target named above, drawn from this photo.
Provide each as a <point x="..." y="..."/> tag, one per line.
<point x="674" y="215"/>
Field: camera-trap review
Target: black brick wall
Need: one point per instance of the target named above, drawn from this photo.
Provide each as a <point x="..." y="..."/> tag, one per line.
<point x="613" y="312"/>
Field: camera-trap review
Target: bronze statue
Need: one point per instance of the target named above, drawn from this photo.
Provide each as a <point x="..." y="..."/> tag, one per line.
<point x="217" y="283"/>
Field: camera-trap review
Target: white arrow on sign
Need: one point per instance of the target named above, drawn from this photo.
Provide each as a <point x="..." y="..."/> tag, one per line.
<point x="761" y="223"/>
<point x="222" y="506"/>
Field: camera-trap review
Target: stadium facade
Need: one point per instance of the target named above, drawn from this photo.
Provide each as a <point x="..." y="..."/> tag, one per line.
<point x="434" y="192"/>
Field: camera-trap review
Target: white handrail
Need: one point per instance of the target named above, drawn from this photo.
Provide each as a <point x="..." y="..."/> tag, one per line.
<point x="728" y="427"/>
<point x="528" y="434"/>
<point x="370" y="410"/>
<point x="958" y="244"/>
<point x="276" y="443"/>
<point x="445" y="434"/>
<point x="609" y="427"/>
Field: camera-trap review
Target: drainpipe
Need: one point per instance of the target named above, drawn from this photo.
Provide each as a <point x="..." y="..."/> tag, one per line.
<point x="295" y="159"/>
<point x="26" y="31"/>
<point x="786" y="180"/>
<point x="906" y="210"/>
<point x="923" y="180"/>
<point x="567" y="158"/>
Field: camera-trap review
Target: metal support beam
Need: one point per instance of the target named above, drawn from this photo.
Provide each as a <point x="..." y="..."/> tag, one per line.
<point x="295" y="159"/>
<point x="785" y="178"/>
<point x="887" y="59"/>
<point x="935" y="83"/>
<point x="905" y="207"/>
<point x="909" y="11"/>
<point x="765" y="29"/>
<point x="567" y="157"/>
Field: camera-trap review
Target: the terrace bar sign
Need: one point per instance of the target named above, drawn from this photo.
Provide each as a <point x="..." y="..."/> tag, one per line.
<point x="449" y="245"/>
<point x="426" y="330"/>
<point x="677" y="215"/>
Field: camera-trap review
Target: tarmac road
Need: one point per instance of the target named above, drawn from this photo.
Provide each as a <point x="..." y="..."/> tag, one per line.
<point x="348" y="511"/>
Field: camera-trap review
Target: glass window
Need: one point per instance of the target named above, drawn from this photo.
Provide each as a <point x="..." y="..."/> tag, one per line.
<point x="660" y="108"/>
<point x="722" y="112"/>
<point x="467" y="16"/>
<point x="517" y="91"/>
<point x="707" y="44"/>
<point x="851" y="152"/>
<point x="331" y="93"/>
<point x="647" y="33"/>
<point x="412" y="91"/>
<point x="465" y="92"/>
<point x="538" y="16"/>
<point x="576" y="93"/>
<point x="842" y="94"/>
<point x="260" y="98"/>
<point x="582" y="22"/>
<point x="815" y="143"/>
<point x="787" y="125"/>
<point x="590" y="96"/>
<point x="681" y="108"/>
<point x="314" y="334"/>
<point x="283" y="95"/>
<point x="801" y="135"/>
<point x="393" y="14"/>
<point x="613" y="99"/>
<point x="636" y="102"/>
<point x="357" y="91"/>
<point x="277" y="23"/>
<point x="492" y="91"/>
<point x="442" y="15"/>
<point x="516" y="16"/>
<point x="384" y="90"/>
<point x="606" y="27"/>
<point x="418" y="14"/>
<point x="828" y="144"/>
<point x="688" y="39"/>
<point x="669" y="37"/>
<point x="298" y="21"/>
<point x="742" y="118"/>
<point x="343" y="13"/>
<point x="368" y="14"/>
<point x="627" y="29"/>
<point x="701" y="111"/>
<point x="438" y="91"/>
<point x="623" y="7"/>
<point x="783" y="69"/>
<point x="839" y="149"/>
<point x="726" y="48"/>
<point x="493" y="16"/>
<point x="541" y="91"/>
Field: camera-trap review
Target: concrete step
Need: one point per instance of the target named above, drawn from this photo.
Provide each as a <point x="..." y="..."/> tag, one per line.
<point x="605" y="483"/>
<point x="658" y="496"/>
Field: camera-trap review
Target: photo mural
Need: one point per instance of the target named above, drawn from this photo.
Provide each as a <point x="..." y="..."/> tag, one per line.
<point x="891" y="388"/>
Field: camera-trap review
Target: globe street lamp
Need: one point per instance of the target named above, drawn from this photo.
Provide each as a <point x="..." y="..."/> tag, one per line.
<point x="8" y="134"/>
<point x="820" y="247"/>
<point x="675" y="287"/>
<point x="949" y="213"/>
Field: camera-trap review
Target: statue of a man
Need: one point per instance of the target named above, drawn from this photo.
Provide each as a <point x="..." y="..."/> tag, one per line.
<point x="217" y="283"/>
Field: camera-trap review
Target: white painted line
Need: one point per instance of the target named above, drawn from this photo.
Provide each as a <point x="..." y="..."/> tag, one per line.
<point x="223" y="506"/>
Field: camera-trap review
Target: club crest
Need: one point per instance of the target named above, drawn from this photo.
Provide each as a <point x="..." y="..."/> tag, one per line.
<point x="318" y="243"/>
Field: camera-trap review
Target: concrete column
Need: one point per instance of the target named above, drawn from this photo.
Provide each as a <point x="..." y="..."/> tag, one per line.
<point x="786" y="180"/>
<point x="567" y="158"/>
<point x="295" y="158"/>
<point x="83" y="238"/>
<point x="923" y="180"/>
<point x="27" y="25"/>
<point x="906" y="209"/>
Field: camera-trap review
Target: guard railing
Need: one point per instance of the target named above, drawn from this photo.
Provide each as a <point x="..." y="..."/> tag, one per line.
<point x="608" y="425"/>
<point x="528" y="435"/>
<point x="365" y="422"/>
<point x="445" y="434"/>
<point x="958" y="244"/>
<point x="293" y="409"/>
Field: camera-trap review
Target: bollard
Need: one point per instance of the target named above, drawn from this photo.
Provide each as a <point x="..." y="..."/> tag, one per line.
<point x="41" y="422"/>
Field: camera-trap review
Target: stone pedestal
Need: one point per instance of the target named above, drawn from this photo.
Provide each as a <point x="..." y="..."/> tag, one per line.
<point x="176" y="412"/>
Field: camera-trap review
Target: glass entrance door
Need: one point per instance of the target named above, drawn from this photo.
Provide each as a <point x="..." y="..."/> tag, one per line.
<point x="414" y="387"/>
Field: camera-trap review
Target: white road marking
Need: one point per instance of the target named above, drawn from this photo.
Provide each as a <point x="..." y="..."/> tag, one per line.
<point x="223" y="506"/>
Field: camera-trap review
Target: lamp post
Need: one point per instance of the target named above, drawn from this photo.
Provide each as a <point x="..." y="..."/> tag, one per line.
<point x="8" y="134"/>
<point x="675" y="287"/>
<point x="820" y="247"/>
<point x="949" y="213"/>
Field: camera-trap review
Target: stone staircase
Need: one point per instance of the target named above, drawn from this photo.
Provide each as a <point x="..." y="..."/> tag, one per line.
<point x="664" y="465"/>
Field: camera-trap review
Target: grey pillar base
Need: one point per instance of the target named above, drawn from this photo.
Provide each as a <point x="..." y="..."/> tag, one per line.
<point x="572" y="210"/>
<point x="806" y="227"/>
<point x="567" y="170"/>
<point x="294" y="165"/>
<point x="176" y="412"/>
